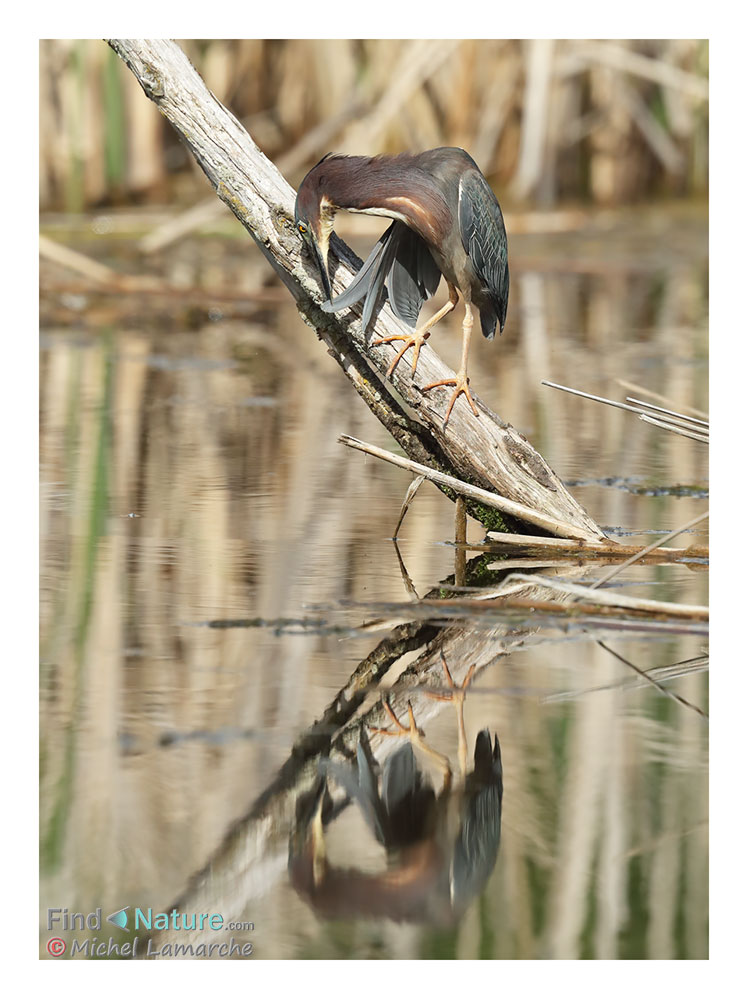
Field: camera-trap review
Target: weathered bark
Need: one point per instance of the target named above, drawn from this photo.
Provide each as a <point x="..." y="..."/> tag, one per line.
<point x="486" y="451"/>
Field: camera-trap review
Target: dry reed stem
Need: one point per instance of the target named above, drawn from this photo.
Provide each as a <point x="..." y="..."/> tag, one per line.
<point x="460" y="541"/>
<point x="654" y="134"/>
<point x="633" y="387"/>
<point x="650" y="548"/>
<point x="670" y="671"/>
<point x="570" y="561"/>
<point x="419" y="60"/>
<point x="676" y="424"/>
<point x="674" y="429"/>
<point x="596" y="550"/>
<point x="465" y="489"/>
<point x="530" y="541"/>
<point x="479" y="98"/>
<point x="646" y="67"/>
<point x="666" y="412"/>
<point x="608" y="598"/>
<point x="676" y="421"/>
<point x="413" y="488"/>
<point x="526" y="616"/>
<point x="538" y="85"/>
<point x="78" y="262"/>
<point x="405" y="575"/>
<point x="655" y="683"/>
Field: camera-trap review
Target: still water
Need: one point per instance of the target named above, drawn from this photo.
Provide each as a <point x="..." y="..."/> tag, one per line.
<point x="209" y="552"/>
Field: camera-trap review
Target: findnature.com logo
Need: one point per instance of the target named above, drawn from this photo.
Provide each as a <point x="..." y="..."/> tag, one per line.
<point x="147" y="921"/>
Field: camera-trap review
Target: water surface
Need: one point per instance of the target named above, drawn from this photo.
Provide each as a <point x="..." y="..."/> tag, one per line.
<point x="190" y="474"/>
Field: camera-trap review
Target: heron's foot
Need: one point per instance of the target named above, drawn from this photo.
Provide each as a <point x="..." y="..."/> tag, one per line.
<point x="415" y="340"/>
<point x="460" y="383"/>
<point x="455" y="693"/>
<point x="415" y="734"/>
<point x="417" y="738"/>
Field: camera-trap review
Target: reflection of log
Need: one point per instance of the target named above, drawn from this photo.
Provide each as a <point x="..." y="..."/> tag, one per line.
<point x="486" y="452"/>
<point x="254" y="854"/>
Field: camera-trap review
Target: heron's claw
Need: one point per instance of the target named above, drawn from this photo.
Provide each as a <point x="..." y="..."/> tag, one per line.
<point x="417" y="738"/>
<point x="411" y="730"/>
<point x="455" y="693"/>
<point x="416" y="340"/>
<point x="460" y="383"/>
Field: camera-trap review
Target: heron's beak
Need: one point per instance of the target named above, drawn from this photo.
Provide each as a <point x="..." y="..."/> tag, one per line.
<point x="320" y="248"/>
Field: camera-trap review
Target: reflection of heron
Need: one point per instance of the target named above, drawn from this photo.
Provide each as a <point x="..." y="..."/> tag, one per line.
<point x="440" y="848"/>
<point x="447" y="221"/>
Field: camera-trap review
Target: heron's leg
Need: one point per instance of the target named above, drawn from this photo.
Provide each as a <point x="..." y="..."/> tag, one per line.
<point x="307" y="853"/>
<point x="461" y="381"/>
<point x="457" y="696"/>
<point x="418" y="337"/>
<point x="417" y="738"/>
<point x="319" y="853"/>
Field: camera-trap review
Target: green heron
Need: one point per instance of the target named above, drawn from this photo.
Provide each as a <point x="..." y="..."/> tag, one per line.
<point x="447" y="222"/>
<point x="441" y="848"/>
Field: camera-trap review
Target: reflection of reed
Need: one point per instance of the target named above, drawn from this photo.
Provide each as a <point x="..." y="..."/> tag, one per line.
<point x="613" y="120"/>
<point x="254" y="509"/>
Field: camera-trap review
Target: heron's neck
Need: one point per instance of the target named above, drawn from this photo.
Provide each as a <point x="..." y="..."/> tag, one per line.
<point x="389" y="188"/>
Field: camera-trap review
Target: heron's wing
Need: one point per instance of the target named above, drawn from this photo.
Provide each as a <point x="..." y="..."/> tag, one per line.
<point x="361" y="283"/>
<point x="343" y="774"/>
<point x="484" y="240"/>
<point x="401" y="777"/>
<point x="413" y="277"/>
<point x="361" y="786"/>
<point x="477" y="844"/>
<point x="382" y="270"/>
<point x="371" y="278"/>
<point x="400" y="261"/>
<point x="407" y="798"/>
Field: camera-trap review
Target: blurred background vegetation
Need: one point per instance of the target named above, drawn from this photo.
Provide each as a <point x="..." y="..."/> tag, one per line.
<point x="602" y="122"/>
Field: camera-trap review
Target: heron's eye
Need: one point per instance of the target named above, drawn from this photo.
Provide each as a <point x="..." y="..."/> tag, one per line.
<point x="302" y="228"/>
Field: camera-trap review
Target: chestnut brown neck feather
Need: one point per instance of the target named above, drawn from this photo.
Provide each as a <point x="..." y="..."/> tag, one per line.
<point x="388" y="184"/>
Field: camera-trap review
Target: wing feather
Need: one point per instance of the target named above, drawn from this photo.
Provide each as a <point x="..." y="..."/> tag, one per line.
<point x="413" y="277"/>
<point x="401" y="262"/>
<point x="362" y="281"/>
<point x="484" y="240"/>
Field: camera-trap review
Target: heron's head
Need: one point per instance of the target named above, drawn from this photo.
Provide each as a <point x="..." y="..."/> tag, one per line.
<point x="314" y="216"/>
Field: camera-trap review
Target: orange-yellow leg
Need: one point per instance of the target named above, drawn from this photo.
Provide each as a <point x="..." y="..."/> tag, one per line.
<point x="318" y="851"/>
<point x="457" y="696"/>
<point x="417" y="738"/>
<point x="419" y="336"/>
<point x="461" y="382"/>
